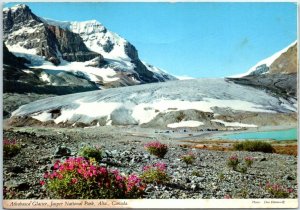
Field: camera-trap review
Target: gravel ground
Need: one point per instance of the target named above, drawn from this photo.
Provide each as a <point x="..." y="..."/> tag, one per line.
<point x="209" y="177"/>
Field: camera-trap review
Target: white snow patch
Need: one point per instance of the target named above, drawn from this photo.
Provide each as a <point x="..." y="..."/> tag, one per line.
<point x="29" y="54"/>
<point x="107" y="74"/>
<point x="43" y="117"/>
<point x="26" y="30"/>
<point x="184" y="77"/>
<point x="17" y="48"/>
<point x="189" y="123"/>
<point x="28" y="72"/>
<point x="86" y="110"/>
<point x="95" y="126"/>
<point x="235" y="124"/>
<point x="45" y="77"/>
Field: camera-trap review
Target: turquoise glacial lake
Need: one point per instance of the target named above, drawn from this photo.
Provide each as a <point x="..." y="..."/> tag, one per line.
<point x="289" y="134"/>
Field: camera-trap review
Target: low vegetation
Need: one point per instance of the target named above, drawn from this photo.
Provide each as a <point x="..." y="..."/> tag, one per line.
<point x="88" y="151"/>
<point x="278" y="191"/>
<point x="78" y="178"/>
<point x="254" y="146"/>
<point x="156" y="148"/>
<point x="188" y="158"/>
<point x="249" y="161"/>
<point x="233" y="162"/>
<point x="156" y="173"/>
<point x="10" y="148"/>
<point x="237" y="165"/>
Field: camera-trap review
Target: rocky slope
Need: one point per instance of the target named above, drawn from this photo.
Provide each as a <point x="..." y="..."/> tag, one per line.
<point x="277" y="74"/>
<point x="83" y="49"/>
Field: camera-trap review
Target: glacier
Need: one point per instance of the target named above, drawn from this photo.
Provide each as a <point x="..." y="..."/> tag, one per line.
<point x="140" y="104"/>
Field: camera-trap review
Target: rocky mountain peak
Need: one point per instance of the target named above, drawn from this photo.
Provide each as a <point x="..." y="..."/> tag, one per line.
<point x="87" y="49"/>
<point x="286" y="63"/>
<point x="17" y="8"/>
<point x="25" y="32"/>
<point x="16" y="17"/>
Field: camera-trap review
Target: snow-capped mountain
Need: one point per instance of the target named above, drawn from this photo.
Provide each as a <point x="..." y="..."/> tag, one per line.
<point x="277" y="74"/>
<point x="84" y="49"/>
<point x="283" y="61"/>
<point x="211" y="102"/>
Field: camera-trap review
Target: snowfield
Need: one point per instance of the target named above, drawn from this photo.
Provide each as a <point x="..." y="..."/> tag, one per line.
<point x="189" y="123"/>
<point x="141" y="104"/>
<point x="235" y="124"/>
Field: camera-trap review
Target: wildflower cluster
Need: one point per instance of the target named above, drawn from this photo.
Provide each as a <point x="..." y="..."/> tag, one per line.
<point x="156" y="148"/>
<point x="78" y="178"/>
<point x="233" y="162"/>
<point x="249" y="161"/>
<point x="156" y="173"/>
<point x="188" y="158"/>
<point x="278" y="191"/>
<point x="227" y="196"/>
<point x="9" y="193"/>
<point x="10" y="148"/>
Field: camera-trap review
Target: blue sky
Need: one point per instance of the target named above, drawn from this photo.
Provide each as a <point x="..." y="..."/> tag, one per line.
<point x="194" y="39"/>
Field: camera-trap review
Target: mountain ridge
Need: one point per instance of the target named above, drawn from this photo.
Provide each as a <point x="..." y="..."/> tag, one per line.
<point x="40" y="40"/>
<point x="276" y="74"/>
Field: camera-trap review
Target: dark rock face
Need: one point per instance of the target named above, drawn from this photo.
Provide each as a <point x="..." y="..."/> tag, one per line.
<point x="144" y="74"/>
<point x="71" y="45"/>
<point x="22" y="27"/>
<point x="108" y="46"/>
<point x="283" y="85"/>
<point x="12" y="60"/>
<point x="131" y="51"/>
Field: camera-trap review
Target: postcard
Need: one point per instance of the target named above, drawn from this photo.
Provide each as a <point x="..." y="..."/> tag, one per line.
<point x="150" y="105"/>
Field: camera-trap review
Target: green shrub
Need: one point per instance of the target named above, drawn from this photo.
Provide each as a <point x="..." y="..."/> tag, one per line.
<point x="155" y="174"/>
<point x="196" y="173"/>
<point x="156" y="148"/>
<point x="10" y="148"/>
<point x="188" y="158"/>
<point x="89" y="152"/>
<point x="242" y="169"/>
<point x="254" y="146"/>
<point x="233" y="162"/>
<point x="249" y="161"/>
<point x="221" y="176"/>
<point x="78" y="178"/>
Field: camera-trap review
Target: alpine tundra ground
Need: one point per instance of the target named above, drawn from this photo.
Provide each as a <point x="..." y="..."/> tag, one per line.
<point x="208" y="177"/>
